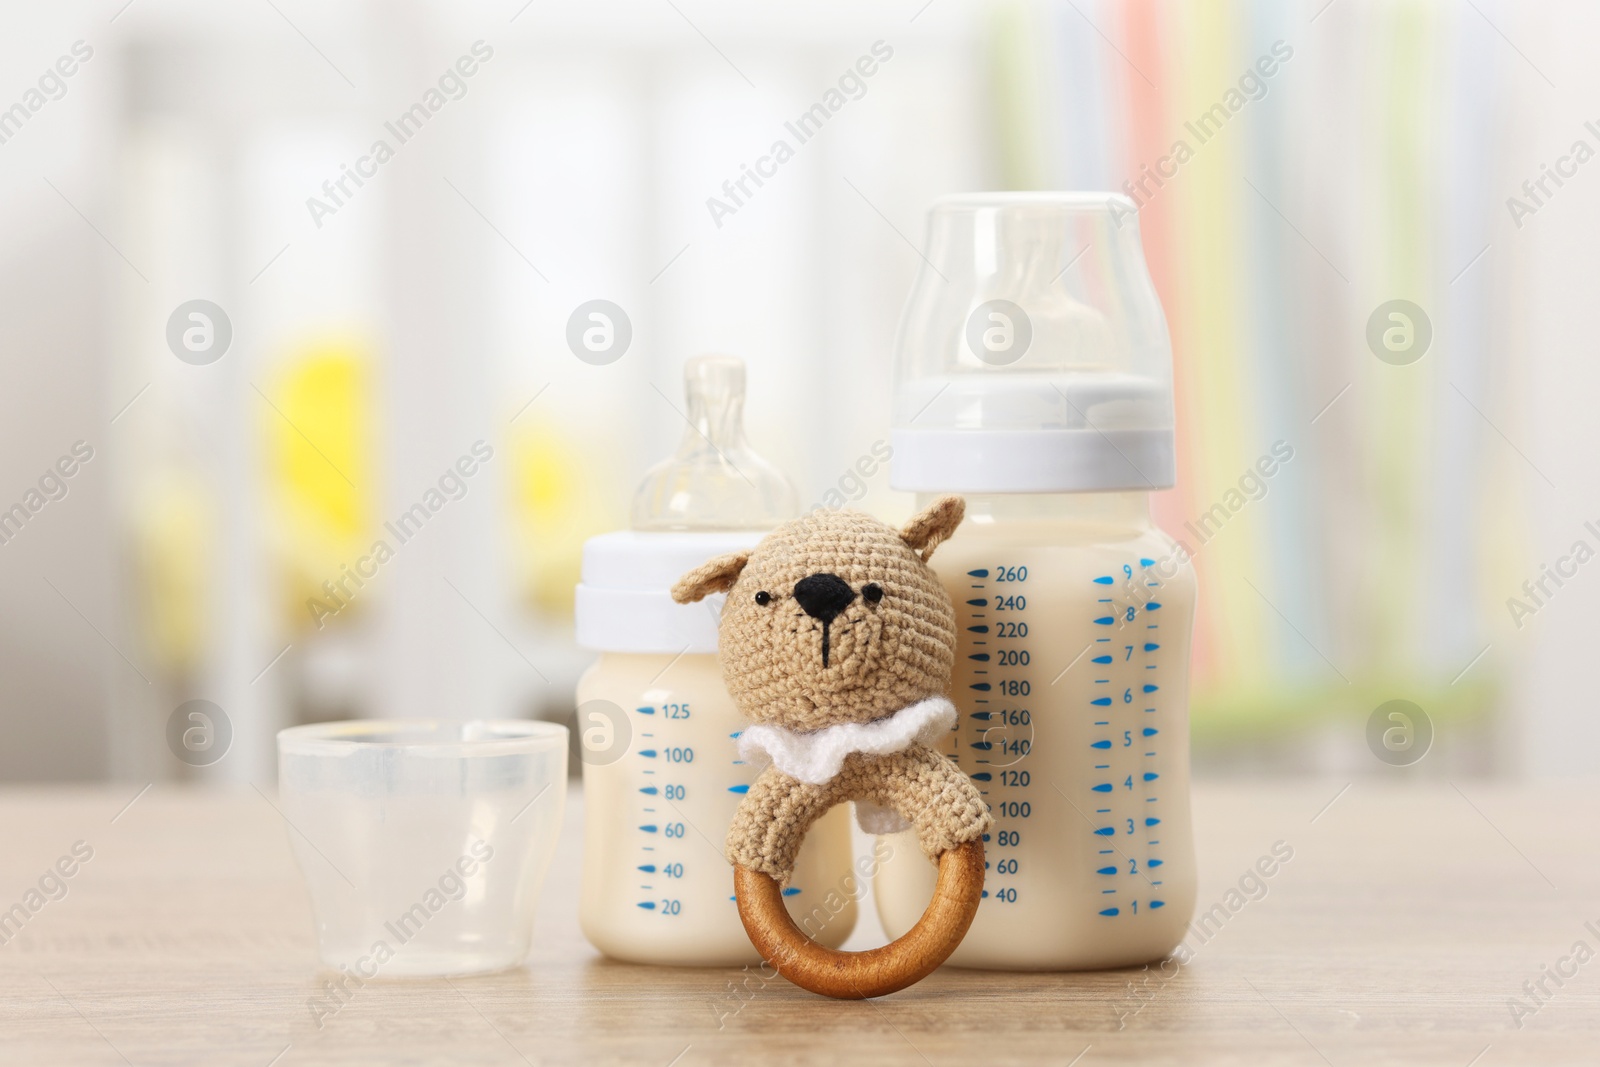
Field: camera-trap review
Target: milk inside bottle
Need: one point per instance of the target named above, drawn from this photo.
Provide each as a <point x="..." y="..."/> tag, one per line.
<point x="1033" y="374"/>
<point x="656" y="727"/>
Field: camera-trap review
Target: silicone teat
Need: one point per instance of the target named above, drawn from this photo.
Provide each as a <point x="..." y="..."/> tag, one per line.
<point x="714" y="481"/>
<point x="1066" y="334"/>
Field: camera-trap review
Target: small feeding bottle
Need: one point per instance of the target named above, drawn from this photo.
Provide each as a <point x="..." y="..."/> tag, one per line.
<point x="1033" y="374"/>
<point x="656" y="726"/>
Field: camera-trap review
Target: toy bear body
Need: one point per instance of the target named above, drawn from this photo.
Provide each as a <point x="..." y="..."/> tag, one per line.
<point x="837" y="642"/>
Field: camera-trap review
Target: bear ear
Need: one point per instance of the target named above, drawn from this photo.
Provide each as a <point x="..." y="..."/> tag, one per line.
<point x="929" y="529"/>
<point x="713" y="576"/>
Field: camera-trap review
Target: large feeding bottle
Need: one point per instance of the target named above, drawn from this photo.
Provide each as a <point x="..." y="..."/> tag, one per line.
<point x="660" y="776"/>
<point x="1034" y="375"/>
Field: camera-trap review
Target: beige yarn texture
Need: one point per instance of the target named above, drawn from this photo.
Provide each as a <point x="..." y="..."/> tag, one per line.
<point x="883" y="656"/>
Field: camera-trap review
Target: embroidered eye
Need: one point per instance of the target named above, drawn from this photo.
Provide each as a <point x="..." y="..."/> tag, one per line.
<point x="873" y="592"/>
<point x="763" y="598"/>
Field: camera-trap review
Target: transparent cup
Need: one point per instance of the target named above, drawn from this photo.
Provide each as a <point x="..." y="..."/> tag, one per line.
<point x="424" y="843"/>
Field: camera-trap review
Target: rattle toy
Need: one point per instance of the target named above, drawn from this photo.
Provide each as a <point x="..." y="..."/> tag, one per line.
<point x="837" y="641"/>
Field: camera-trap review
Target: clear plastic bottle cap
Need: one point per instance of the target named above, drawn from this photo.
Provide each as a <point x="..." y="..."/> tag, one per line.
<point x="714" y="495"/>
<point x="1033" y="355"/>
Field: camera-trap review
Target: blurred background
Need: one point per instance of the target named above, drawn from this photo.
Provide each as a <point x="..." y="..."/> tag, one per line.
<point x="376" y="319"/>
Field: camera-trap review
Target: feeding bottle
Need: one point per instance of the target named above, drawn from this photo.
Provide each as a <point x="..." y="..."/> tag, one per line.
<point x="656" y="726"/>
<point x="1033" y="374"/>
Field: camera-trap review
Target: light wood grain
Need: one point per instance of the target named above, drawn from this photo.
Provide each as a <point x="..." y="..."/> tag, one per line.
<point x="1398" y="932"/>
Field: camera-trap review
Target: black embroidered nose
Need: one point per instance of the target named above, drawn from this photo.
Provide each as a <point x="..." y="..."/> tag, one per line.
<point x="823" y="596"/>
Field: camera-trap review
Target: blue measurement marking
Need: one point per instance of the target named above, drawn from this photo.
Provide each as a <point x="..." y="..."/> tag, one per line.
<point x="650" y="790"/>
<point x="1107" y="870"/>
<point x="1104" y="621"/>
<point x="983" y="746"/>
<point x="982" y="687"/>
<point x="1151" y="688"/>
<point x="1153" y="863"/>
<point x="649" y="829"/>
<point x="649" y="905"/>
<point x="982" y="776"/>
<point x="790" y="891"/>
<point x="1102" y="811"/>
<point x="648" y="868"/>
<point x="648" y="753"/>
<point x="645" y="711"/>
<point x="1102" y="722"/>
<point x="1103" y="581"/>
<point x="1101" y="702"/>
<point x="1151" y="776"/>
<point x="1152" y="606"/>
<point x="1100" y="744"/>
<point x="1106" y="831"/>
<point x="982" y="716"/>
<point x="981" y="657"/>
<point x="1101" y="659"/>
<point x="1110" y="913"/>
<point x="739" y="789"/>
<point x="1103" y="787"/>
<point x="1150" y="646"/>
<point x="981" y="572"/>
<point x="979" y="602"/>
<point x="977" y="629"/>
<point x="1147" y="563"/>
<point x="1152" y="822"/>
<point x="1158" y="903"/>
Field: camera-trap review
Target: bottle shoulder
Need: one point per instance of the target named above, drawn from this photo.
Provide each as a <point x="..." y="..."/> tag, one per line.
<point x="1067" y="545"/>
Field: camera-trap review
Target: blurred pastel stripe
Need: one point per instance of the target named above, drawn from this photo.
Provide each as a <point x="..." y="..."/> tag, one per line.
<point x="1364" y="572"/>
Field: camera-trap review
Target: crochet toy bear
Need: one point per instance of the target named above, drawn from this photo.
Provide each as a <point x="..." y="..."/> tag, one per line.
<point x="837" y="641"/>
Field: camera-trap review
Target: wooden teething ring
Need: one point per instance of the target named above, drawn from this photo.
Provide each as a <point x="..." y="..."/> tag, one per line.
<point x="878" y="971"/>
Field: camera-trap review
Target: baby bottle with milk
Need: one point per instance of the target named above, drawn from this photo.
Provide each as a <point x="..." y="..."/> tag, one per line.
<point x="656" y="727"/>
<point x="1033" y="375"/>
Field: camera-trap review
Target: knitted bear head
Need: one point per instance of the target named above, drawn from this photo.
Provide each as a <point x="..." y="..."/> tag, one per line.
<point x="834" y="617"/>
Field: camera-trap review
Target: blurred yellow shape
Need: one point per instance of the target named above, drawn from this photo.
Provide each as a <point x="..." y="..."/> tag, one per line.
<point x="555" y="508"/>
<point x="318" y="440"/>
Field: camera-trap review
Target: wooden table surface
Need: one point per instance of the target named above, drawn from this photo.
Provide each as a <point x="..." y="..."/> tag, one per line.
<point x="1408" y="919"/>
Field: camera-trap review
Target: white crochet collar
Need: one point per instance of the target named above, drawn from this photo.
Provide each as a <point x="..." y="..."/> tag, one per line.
<point x="815" y="756"/>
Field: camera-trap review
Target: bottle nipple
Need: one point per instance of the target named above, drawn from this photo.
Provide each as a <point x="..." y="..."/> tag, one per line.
<point x="715" y="481"/>
<point x="1025" y="266"/>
